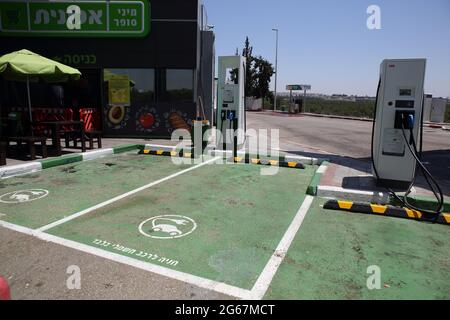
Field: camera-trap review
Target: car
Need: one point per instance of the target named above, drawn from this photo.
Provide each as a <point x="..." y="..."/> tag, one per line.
<point x="167" y="228"/>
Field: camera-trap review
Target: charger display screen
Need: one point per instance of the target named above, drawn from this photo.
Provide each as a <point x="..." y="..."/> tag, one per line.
<point x="405" y="104"/>
<point x="406" y="93"/>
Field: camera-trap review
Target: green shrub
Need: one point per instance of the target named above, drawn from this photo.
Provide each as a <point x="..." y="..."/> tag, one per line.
<point x="360" y="109"/>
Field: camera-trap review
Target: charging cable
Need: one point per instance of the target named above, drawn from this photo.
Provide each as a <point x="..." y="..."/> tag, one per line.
<point x="412" y="146"/>
<point x="434" y="186"/>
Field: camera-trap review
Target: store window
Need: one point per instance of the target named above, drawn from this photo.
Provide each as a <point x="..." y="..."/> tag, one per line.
<point x="130" y="87"/>
<point x="176" y="85"/>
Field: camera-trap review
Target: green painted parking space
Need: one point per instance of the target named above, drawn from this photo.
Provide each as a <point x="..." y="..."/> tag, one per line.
<point x="332" y="251"/>
<point x="220" y="222"/>
<point x="65" y="190"/>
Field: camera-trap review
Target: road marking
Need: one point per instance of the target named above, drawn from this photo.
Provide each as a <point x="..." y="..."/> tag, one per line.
<point x="123" y="196"/>
<point x="23" y="196"/>
<point x="170" y="229"/>
<point x="262" y="284"/>
<point x="204" y="283"/>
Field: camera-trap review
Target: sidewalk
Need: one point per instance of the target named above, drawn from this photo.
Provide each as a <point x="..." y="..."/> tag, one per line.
<point x="353" y="181"/>
<point x="106" y="143"/>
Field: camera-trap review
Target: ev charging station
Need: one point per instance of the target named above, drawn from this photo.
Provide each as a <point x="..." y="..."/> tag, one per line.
<point x="231" y="100"/>
<point x="399" y="109"/>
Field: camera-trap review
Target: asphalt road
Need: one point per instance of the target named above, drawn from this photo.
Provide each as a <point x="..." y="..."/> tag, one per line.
<point x="334" y="136"/>
<point x="348" y="142"/>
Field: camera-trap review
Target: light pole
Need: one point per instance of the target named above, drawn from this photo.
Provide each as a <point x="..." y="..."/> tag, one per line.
<point x="276" y="70"/>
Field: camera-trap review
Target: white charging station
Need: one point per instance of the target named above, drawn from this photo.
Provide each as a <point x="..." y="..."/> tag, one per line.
<point x="399" y="104"/>
<point x="231" y="98"/>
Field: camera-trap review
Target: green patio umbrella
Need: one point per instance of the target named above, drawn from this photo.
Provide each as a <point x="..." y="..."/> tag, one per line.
<point x="29" y="67"/>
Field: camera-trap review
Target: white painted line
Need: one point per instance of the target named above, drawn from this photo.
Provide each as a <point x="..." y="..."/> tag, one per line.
<point x="92" y="155"/>
<point x="173" y="274"/>
<point x="266" y="277"/>
<point x="123" y="196"/>
<point x="17" y="228"/>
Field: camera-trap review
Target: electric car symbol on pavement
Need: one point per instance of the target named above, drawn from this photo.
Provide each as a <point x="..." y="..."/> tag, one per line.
<point x="23" y="196"/>
<point x="167" y="227"/>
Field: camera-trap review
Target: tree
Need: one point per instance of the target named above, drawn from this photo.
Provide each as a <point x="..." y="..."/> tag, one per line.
<point x="263" y="73"/>
<point x="258" y="73"/>
<point x="247" y="52"/>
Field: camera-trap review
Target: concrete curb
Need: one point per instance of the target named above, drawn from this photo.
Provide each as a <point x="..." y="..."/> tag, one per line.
<point x="242" y="158"/>
<point x="17" y="170"/>
<point x="20" y="169"/>
<point x="287" y="159"/>
<point x="97" y="154"/>
<point x="426" y="124"/>
<point x="427" y="203"/>
<point x="384" y="198"/>
<point x="337" y="117"/>
<point x="353" y="195"/>
<point x="315" y="181"/>
<point x="387" y="211"/>
<point x="240" y="153"/>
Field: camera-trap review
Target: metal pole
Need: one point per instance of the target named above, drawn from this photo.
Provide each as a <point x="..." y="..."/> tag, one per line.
<point x="304" y="100"/>
<point x="29" y="104"/>
<point x="276" y="70"/>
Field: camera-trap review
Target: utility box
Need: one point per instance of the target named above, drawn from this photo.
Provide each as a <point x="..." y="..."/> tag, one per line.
<point x="231" y="98"/>
<point x="400" y="96"/>
<point x="427" y="107"/>
<point x="438" y="109"/>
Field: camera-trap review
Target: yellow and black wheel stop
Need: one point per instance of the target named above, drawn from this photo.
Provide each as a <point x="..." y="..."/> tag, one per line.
<point x="385" y="210"/>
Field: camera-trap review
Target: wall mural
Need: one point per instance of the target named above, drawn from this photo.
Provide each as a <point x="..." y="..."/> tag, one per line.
<point x="158" y="120"/>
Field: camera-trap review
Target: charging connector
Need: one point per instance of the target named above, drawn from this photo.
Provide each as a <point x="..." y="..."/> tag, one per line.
<point x="405" y="119"/>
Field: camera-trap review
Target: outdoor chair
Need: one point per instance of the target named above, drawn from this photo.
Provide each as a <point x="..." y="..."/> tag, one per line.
<point x="91" y="120"/>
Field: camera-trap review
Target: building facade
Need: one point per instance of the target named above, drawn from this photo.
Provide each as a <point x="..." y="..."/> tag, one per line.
<point x="145" y="64"/>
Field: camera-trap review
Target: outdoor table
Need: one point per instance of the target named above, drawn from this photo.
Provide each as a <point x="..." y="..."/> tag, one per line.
<point x="56" y="126"/>
<point x="3" y="153"/>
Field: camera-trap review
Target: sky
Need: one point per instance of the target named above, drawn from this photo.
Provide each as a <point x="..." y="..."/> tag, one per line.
<point x="327" y="44"/>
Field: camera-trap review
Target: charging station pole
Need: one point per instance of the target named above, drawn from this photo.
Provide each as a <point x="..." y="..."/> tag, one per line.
<point x="231" y="101"/>
<point x="399" y="109"/>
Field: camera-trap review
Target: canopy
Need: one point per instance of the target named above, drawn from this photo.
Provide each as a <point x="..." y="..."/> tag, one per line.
<point x="25" y="65"/>
<point x="28" y="66"/>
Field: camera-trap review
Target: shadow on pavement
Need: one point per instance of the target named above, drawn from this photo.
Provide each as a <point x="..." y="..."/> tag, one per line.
<point x="436" y="161"/>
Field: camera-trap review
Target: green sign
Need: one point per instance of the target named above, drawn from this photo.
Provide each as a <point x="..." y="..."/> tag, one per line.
<point x="80" y="18"/>
<point x="298" y="87"/>
<point x="294" y="87"/>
